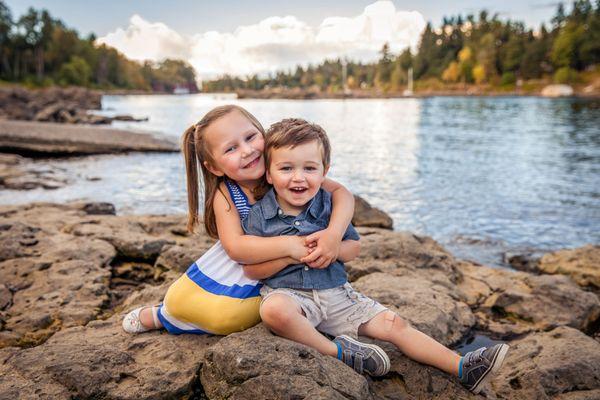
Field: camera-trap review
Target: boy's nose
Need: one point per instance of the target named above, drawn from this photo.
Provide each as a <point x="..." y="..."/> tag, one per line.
<point x="298" y="176"/>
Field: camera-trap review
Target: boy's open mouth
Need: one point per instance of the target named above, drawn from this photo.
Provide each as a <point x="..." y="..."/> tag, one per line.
<point x="252" y="163"/>
<point x="298" y="189"/>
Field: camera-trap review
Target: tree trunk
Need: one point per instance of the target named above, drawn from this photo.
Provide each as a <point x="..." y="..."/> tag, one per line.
<point x="6" y="70"/>
<point x="17" y="69"/>
<point x="39" y="63"/>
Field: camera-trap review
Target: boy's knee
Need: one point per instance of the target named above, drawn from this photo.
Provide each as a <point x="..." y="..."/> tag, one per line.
<point x="393" y="322"/>
<point x="274" y="313"/>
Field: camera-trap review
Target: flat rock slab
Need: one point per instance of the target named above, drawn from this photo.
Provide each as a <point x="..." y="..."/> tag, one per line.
<point x="101" y="361"/>
<point x="254" y="364"/>
<point x="432" y="308"/>
<point x="509" y="303"/>
<point x="581" y="264"/>
<point x="66" y="265"/>
<point x="560" y="364"/>
<point x="51" y="139"/>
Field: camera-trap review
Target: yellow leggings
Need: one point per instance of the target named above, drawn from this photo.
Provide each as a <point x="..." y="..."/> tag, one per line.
<point x="188" y="308"/>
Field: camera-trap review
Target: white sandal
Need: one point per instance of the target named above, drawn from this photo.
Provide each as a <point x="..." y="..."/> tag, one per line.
<point x="132" y="323"/>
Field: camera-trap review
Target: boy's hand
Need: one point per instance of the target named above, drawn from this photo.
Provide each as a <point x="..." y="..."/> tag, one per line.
<point x="325" y="252"/>
<point x="298" y="248"/>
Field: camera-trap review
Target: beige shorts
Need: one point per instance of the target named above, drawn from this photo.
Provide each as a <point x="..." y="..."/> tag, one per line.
<point x="337" y="311"/>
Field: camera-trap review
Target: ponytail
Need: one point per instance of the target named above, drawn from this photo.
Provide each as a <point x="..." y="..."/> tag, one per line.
<point x="188" y="148"/>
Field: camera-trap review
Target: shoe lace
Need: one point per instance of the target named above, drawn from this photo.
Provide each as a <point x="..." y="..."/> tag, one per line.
<point x="475" y="357"/>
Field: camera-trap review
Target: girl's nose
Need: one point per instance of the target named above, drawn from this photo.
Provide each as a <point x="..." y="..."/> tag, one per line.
<point x="246" y="150"/>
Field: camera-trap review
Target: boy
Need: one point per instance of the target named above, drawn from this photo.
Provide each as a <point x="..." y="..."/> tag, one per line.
<point x="296" y="299"/>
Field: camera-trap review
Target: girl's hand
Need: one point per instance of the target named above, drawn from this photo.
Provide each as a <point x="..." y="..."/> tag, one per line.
<point x="297" y="247"/>
<point x="325" y="252"/>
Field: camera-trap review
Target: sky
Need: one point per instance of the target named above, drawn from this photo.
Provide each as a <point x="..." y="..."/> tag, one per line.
<point x="247" y="37"/>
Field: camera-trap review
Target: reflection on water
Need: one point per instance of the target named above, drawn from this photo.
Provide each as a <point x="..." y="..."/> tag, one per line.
<point x="480" y="175"/>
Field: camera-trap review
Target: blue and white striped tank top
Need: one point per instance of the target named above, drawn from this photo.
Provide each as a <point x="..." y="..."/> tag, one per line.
<point x="240" y="200"/>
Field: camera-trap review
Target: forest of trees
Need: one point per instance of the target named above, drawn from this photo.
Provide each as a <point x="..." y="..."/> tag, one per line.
<point x="39" y="50"/>
<point x="473" y="50"/>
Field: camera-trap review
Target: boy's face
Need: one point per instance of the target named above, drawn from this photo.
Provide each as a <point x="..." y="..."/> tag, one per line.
<point x="296" y="175"/>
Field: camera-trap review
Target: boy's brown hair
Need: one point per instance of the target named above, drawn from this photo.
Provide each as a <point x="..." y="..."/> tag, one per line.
<point x="292" y="132"/>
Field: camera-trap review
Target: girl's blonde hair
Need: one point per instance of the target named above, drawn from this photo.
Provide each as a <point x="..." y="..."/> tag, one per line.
<point x="196" y="152"/>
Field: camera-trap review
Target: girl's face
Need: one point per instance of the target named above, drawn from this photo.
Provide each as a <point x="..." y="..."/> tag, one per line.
<point x="236" y="147"/>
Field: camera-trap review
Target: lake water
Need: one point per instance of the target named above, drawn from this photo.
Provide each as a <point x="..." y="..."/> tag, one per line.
<point x="483" y="176"/>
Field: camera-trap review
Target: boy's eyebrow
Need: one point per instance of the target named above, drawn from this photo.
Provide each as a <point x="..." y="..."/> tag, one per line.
<point x="291" y="162"/>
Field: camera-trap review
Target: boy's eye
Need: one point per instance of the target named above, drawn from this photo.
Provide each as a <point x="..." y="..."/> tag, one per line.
<point x="250" y="137"/>
<point x="310" y="168"/>
<point x="285" y="168"/>
<point x="229" y="149"/>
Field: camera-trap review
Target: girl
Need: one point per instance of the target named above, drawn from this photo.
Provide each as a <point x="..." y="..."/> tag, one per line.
<point x="214" y="296"/>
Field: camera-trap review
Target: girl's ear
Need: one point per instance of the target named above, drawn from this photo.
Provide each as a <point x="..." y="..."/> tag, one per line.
<point x="212" y="169"/>
<point x="269" y="177"/>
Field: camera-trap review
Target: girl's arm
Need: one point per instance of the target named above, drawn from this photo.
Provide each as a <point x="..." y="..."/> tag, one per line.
<point x="329" y="240"/>
<point x="268" y="268"/>
<point x="247" y="249"/>
<point x="349" y="250"/>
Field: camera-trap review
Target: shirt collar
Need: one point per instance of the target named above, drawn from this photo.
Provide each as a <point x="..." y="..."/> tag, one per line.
<point x="270" y="207"/>
<point x="269" y="204"/>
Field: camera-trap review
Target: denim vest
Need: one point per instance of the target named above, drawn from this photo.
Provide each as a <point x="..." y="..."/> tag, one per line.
<point x="267" y="219"/>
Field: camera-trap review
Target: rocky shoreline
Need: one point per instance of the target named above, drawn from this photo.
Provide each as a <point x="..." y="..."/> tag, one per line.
<point x="55" y="104"/>
<point x="69" y="272"/>
<point x="590" y="91"/>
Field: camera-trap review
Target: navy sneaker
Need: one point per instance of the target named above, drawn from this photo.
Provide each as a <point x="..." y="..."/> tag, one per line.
<point x="363" y="357"/>
<point x="479" y="365"/>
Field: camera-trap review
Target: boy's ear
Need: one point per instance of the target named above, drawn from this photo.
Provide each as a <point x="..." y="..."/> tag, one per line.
<point x="212" y="169"/>
<point x="269" y="177"/>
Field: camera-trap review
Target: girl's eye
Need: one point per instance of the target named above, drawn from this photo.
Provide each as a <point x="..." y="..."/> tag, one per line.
<point x="285" y="169"/>
<point x="310" y="168"/>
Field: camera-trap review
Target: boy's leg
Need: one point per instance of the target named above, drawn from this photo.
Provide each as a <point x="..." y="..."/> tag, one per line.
<point x="390" y="327"/>
<point x="285" y="317"/>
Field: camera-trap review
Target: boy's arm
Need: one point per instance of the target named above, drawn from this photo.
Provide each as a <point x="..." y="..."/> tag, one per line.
<point x="349" y="250"/>
<point x="329" y="240"/>
<point x="247" y="248"/>
<point x="267" y="269"/>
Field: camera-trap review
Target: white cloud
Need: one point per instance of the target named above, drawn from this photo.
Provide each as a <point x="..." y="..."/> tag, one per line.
<point x="274" y="43"/>
<point x="144" y="40"/>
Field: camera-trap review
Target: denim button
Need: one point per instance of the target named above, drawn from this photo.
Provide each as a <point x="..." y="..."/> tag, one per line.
<point x="296" y="223"/>
<point x="306" y="268"/>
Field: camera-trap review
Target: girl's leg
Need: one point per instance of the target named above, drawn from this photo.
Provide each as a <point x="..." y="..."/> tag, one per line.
<point x="285" y="318"/>
<point x="418" y="346"/>
<point x="148" y="318"/>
